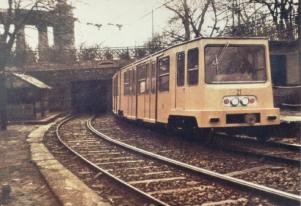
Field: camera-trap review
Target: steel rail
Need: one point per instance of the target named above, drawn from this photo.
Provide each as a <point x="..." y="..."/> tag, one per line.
<point x="290" y="147"/>
<point x="265" y="156"/>
<point x="141" y="193"/>
<point x="235" y="181"/>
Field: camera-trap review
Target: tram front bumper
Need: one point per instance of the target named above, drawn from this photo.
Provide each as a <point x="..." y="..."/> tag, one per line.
<point x="238" y="118"/>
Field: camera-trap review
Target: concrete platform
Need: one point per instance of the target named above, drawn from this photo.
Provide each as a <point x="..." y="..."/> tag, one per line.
<point x="27" y="186"/>
<point x="49" y="118"/>
<point x="66" y="186"/>
<point x="287" y="116"/>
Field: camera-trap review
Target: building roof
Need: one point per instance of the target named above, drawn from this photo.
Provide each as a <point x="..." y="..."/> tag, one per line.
<point x="31" y="80"/>
<point x="283" y="43"/>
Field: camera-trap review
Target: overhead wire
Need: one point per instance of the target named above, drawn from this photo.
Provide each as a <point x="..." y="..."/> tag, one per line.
<point x="150" y="12"/>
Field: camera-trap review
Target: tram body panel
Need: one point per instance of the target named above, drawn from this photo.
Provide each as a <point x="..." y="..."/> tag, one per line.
<point x="218" y="82"/>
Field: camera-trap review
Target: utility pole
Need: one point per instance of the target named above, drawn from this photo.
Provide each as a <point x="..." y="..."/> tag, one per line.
<point x="153" y="24"/>
<point x="233" y="17"/>
<point x="238" y="13"/>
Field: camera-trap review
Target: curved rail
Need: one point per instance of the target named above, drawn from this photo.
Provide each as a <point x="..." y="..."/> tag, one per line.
<point x="292" y="147"/>
<point x="235" y="181"/>
<point x="287" y="87"/>
<point x="291" y="105"/>
<point x="283" y="159"/>
<point x="139" y="192"/>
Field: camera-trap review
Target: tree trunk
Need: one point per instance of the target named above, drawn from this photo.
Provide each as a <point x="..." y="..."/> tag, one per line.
<point x="299" y="34"/>
<point x="186" y="21"/>
<point x="3" y="99"/>
<point x="187" y="30"/>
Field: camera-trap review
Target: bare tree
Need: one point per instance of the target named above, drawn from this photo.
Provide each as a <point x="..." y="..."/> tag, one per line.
<point x="156" y="43"/>
<point x="277" y="19"/>
<point x="283" y="14"/>
<point x="182" y="13"/>
<point x="13" y="20"/>
<point x="140" y="53"/>
<point x="196" y="17"/>
<point x="274" y="18"/>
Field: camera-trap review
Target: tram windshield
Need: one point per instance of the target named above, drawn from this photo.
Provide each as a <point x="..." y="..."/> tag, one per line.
<point x="235" y="63"/>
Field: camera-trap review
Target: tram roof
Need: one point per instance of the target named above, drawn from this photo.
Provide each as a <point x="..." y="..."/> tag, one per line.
<point x="189" y="41"/>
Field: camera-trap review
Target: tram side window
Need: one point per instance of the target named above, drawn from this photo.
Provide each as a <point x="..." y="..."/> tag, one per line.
<point x="153" y="77"/>
<point x="142" y="79"/>
<point x="126" y="83"/>
<point x="113" y="86"/>
<point x="147" y="86"/>
<point x="134" y="82"/>
<point x="131" y="82"/>
<point x="193" y="66"/>
<point x="164" y="74"/>
<point x="180" y="68"/>
<point x="116" y="86"/>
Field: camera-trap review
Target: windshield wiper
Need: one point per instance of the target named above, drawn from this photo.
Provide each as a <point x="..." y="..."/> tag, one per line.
<point x="220" y="56"/>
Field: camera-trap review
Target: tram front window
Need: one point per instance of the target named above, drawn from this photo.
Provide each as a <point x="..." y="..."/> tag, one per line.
<point x="235" y="64"/>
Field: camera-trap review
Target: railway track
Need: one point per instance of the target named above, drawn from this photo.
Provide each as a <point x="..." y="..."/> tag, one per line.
<point x="281" y="176"/>
<point x="293" y="144"/>
<point x="91" y="151"/>
<point x="108" y="189"/>
<point x="274" y="151"/>
<point x="165" y="181"/>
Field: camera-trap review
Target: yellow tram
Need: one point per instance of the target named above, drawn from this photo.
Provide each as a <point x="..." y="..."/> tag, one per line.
<point x="202" y="83"/>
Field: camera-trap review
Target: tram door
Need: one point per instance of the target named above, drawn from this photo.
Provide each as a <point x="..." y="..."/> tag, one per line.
<point x="147" y="93"/>
<point x="163" y="94"/>
<point x="141" y="75"/>
<point x="180" y="81"/>
<point x="134" y="93"/>
<point x="152" y="106"/>
<point x="118" y="99"/>
<point x="131" y="93"/>
<point x="115" y="89"/>
<point x="125" y="99"/>
<point x="192" y="90"/>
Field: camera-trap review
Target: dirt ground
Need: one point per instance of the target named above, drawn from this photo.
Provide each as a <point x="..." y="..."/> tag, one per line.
<point x="19" y="173"/>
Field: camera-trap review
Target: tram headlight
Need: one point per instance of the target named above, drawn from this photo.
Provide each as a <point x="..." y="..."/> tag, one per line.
<point x="234" y="102"/>
<point x="244" y="101"/>
<point x="239" y="101"/>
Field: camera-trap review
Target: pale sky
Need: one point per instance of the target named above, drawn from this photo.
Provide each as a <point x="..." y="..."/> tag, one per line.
<point x="134" y="15"/>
